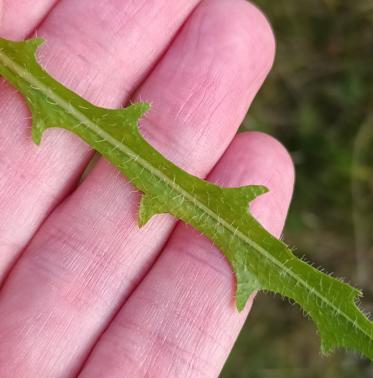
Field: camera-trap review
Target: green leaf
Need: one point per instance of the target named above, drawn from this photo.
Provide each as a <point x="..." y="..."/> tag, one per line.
<point x="259" y="261"/>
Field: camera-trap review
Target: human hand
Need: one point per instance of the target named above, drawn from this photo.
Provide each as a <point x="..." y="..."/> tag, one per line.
<point x="84" y="289"/>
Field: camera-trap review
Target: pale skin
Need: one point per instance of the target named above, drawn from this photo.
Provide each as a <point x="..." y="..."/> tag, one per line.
<point x="84" y="291"/>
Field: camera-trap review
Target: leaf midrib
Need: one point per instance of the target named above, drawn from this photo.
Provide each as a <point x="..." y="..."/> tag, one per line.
<point x="83" y="119"/>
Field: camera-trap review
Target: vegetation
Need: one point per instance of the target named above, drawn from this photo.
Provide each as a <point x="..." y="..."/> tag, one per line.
<point x="260" y="261"/>
<point x="318" y="102"/>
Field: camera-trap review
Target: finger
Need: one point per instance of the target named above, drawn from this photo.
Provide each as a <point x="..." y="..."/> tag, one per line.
<point x="90" y="254"/>
<point x="19" y="17"/>
<point x="181" y="321"/>
<point x="103" y="50"/>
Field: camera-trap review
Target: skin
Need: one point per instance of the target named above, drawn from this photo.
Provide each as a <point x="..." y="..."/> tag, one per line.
<point x="84" y="291"/>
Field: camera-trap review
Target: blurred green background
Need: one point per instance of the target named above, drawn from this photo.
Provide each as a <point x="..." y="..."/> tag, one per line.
<point x="318" y="101"/>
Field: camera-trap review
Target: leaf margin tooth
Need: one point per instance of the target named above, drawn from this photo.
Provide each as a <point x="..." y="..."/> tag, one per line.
<point x="255" y="191"/>
<point x="246" y="286"/>
<point x="149" y="207"/>
<point x="35" y="42"/>
<point x="37" y="130"/>
<point x="134" y="112"/>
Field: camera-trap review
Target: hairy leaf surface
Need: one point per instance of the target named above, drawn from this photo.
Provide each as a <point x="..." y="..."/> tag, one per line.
<point x="259" y="260"/>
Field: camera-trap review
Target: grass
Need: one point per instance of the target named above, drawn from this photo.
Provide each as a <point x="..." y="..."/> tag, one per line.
<point x="318" y="102"/>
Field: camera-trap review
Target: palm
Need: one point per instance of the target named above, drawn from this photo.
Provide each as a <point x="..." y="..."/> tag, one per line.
<point x="83" y="289"/>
